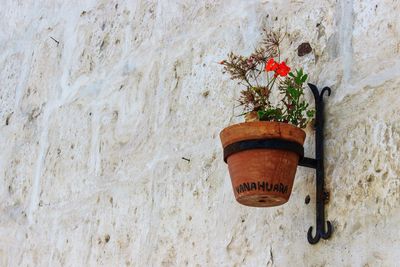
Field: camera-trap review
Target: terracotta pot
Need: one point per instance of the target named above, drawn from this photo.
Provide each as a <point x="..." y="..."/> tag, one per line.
<point x="262" y="177"/>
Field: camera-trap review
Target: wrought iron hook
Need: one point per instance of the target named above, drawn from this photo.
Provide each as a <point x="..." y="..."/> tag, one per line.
<point x="328" y="233"/>
<point x="321" y="233"/>
<point x="315" y="91"/>
<point x="318" y="165"/>
<point x="326" y="89"/>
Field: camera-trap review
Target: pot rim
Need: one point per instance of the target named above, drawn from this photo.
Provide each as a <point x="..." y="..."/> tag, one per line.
<point x="261" y="130"/>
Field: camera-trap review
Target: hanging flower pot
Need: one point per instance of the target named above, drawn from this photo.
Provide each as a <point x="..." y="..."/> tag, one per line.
<point x="263" y="153"/>
<point x="262" y="177"/>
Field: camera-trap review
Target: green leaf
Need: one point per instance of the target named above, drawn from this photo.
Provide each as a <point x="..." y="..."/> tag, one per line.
<point x="260" y="114"/>
<point x="272" y="114"/>
<point x="310" y="113"/>
<point x="299" y="72"/>
<point x="293" y="92"/>
<point x="304" y="78"/>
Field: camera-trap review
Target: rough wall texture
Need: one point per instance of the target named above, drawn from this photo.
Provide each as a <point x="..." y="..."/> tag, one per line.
<point x="100" y="100"/>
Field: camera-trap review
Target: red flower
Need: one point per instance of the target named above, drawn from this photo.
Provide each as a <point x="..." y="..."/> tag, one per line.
<point x="280" y="69"/>
<point x="271" y="65"/>
<point x="283" y="69"/>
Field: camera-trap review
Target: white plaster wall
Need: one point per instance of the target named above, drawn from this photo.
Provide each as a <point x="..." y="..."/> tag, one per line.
<point x="94" y="125"/>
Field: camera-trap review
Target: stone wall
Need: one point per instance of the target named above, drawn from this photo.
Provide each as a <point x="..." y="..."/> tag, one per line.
<point x="100" y="100"/>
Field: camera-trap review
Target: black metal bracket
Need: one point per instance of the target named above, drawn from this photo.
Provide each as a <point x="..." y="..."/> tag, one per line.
<point x="318" y="164"/>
